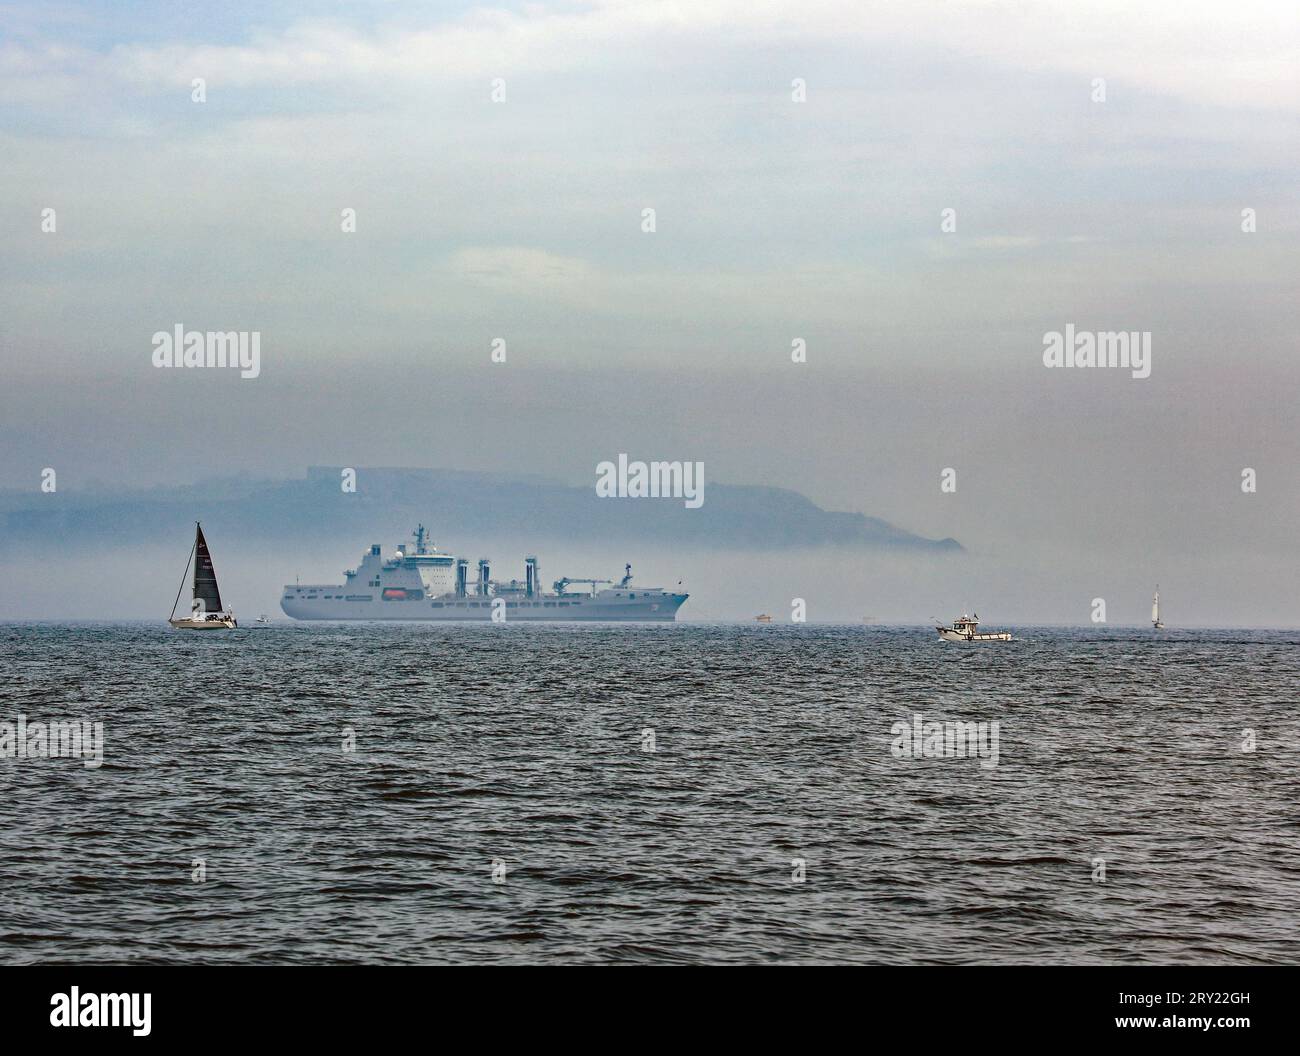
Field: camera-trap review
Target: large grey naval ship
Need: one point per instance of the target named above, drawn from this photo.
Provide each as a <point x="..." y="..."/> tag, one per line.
<point x="422" y="583"/>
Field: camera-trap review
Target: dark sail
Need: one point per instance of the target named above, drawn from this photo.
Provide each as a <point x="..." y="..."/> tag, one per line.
<point x="205" y="579"/>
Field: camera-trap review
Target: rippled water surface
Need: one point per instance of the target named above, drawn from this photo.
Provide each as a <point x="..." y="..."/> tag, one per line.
<point x="224" y="758"/>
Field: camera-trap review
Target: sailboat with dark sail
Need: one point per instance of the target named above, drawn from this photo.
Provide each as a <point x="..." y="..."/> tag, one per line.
<point x="206" y="611"/>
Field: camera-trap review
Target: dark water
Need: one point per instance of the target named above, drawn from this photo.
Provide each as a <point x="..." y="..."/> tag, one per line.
<point x="524" y="744"/>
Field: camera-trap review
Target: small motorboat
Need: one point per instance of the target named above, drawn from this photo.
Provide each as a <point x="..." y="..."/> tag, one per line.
<point x="965" y="629"/>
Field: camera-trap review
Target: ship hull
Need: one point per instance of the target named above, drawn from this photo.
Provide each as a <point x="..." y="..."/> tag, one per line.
<point x="662" y="609"/>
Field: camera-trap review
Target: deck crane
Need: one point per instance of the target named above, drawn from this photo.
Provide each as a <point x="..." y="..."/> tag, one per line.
<point x="564" y="581"/>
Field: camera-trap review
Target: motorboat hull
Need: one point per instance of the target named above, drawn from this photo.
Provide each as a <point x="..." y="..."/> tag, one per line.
<point x="949" y="635"/>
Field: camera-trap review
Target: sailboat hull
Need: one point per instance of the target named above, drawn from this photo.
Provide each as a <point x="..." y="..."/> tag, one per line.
<point x="222" y="623"/>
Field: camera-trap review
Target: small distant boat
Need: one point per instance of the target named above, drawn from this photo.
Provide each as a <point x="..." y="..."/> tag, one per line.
<point x="206" y="610"/>
<point x="764" y="618"/>
<point x="263" y="619"/>
<point x="964" y="629"/>
<point x="1155" y="611"/>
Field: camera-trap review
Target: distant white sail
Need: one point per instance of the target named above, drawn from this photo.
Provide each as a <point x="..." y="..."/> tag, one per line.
<point x="1155" y="609"/>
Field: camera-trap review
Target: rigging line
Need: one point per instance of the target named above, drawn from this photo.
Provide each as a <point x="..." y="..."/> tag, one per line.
<point x="183" y="575"/>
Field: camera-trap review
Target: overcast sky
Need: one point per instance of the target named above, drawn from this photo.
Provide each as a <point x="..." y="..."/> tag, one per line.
<point x="775" y="220"/>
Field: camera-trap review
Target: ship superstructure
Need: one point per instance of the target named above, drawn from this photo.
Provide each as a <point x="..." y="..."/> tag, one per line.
<point x="421" y="582"/>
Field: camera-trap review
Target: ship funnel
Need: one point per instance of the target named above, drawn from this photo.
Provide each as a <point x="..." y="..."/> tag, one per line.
<point x="483" y="573"/>
<point x="462" y="574"/>
<point x="532" y="576"/>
